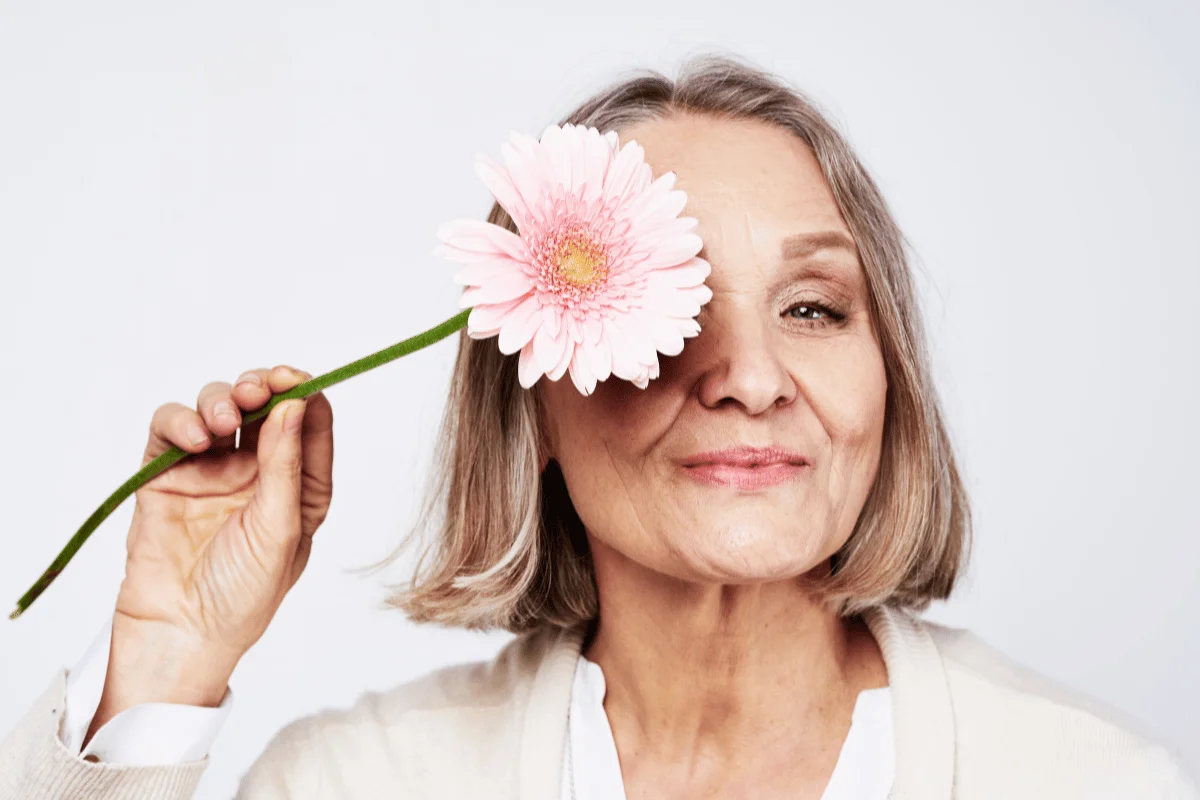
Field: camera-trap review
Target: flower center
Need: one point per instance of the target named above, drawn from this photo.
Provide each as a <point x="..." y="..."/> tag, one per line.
<point x="580" y="262"/>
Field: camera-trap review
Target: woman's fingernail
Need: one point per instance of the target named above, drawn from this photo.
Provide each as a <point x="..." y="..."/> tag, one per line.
<point x="224" y="409"/>
<point x="197" y="434"/>
<point x="249" y="377"/>
<point x="293" y="417"/>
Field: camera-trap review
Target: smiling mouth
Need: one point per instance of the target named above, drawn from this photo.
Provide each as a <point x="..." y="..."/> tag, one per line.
<point x="748" y="476"/>
<point x="757" y="465"/>
<point x="760" y="465"/>
<point x="754" y="464"/>
<point x="747" y="456"/>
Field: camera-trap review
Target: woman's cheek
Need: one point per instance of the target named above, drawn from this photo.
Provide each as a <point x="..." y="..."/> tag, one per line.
<point x="849" y="390"/>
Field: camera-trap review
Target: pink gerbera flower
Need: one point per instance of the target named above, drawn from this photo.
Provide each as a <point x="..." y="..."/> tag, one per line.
<point x="603" y="276"/>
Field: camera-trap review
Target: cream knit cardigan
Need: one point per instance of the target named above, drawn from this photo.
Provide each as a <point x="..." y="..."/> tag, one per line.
<point x="969" y="724"/>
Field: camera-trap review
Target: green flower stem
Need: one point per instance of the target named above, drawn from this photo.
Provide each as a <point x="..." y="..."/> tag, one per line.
<point x="174" y="454"/>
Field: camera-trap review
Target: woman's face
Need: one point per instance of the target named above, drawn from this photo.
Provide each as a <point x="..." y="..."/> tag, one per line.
<point x="786" y="357"/>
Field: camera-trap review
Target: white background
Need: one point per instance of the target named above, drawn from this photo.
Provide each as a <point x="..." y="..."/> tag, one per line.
<point x="187" y="192"/>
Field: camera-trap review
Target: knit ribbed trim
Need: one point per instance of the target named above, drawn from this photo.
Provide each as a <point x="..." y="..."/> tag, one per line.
<point x="921" y="709"/>
<point x="56" y="772"/>
<point x="543" y="735"/>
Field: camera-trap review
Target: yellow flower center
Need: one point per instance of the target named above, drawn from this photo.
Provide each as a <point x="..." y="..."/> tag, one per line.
<point x="581" y="263"/>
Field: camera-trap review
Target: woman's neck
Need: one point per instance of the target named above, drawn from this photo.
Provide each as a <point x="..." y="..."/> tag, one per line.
<point x="718" y="679"/>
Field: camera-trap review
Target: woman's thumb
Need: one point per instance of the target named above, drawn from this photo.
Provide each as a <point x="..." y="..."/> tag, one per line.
<point x="280" y="458"/>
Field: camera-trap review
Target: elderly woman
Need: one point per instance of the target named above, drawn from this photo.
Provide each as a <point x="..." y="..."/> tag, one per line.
<point x="716" y="579"/>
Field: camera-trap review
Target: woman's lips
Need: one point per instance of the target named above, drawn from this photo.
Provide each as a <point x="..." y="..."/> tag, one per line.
<point x="740" y="477"/>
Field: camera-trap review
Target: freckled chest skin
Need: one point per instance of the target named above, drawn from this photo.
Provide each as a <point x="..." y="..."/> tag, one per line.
<point x="756" y="374"/>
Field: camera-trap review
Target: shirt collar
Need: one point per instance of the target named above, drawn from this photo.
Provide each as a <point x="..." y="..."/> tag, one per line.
<point x="921" y="709"/>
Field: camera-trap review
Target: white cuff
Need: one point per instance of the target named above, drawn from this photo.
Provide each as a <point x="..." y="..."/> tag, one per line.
<point x="150" y="734"/>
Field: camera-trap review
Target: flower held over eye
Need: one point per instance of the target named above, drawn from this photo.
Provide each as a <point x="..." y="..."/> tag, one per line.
<point x="603" y="276"/>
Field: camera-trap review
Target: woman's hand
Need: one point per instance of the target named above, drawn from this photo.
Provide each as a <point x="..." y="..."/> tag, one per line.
<point x="217" y="539"/>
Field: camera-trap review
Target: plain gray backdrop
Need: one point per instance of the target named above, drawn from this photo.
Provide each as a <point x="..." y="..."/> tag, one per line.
<point x="191" y="190"/>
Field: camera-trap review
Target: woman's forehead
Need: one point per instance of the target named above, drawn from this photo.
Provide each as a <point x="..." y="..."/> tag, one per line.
<point x="749" y="183"/>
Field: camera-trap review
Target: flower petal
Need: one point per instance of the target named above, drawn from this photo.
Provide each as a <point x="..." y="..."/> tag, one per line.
<point x="622" y="175"/>
<point x="482" y="237"/>
<point x="571" y="333"/>
<point x="484" y="320"/>
<point x="658" y="201"/>
<point x="582" y="377"/>
<point x="624" y="361"/>
<point x="483" y="272"/>
<point x="640" y="335"/>
<point x="688" y="327"/>
<point x="650" y="232"/>
<point x="519" y="325"/>
<point x="558" y="146"/>
<point x="674" y="251"/>
<point x="643" y="380"/>
<point x="547" y="349"/>
<point x="527" y="368"/>
<point x="701" y="294"/>
<point x="688" y="274"/>
<point x="498" y="181"/>
<point x="502" y="289"/>
<point x="596" y="157"/>
<point x="668" y="339"/>
<point x="671" y="302"/>
<point x="599" y="358"/>
<point x="552" y="318"/>
<point x="525" y="171"/>
<point x="568" y="355"/>
<point x="592" y="328"/>
<point x="463" y="256"/>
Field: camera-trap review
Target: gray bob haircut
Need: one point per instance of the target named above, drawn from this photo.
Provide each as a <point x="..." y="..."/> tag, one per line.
<point x="500" y="543"/>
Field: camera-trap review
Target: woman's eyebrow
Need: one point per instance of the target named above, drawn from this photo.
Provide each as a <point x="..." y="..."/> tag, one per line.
<point x="802" y="245"/>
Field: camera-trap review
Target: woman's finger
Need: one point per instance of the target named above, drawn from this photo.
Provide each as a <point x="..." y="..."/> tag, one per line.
<point x="316" y="436"/>
<point x="220" y="413"/>
<point x="274" y="381"/>
<point x="251" y="390"/>
<point x="316" y="439"/>
<point x="284" y="377"/>
<point x="176" y="425"/>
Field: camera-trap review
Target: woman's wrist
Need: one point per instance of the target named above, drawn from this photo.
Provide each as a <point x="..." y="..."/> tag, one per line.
<point x="153" y="662"/>
<point x="149" y="662"/>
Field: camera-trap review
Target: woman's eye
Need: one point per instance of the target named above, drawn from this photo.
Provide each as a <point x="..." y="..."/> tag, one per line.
<point x="811" y="312"/>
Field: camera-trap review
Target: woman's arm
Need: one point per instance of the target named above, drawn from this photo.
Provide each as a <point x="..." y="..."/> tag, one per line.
<point x="35" y="764"/>
<point x="214" y="546"/>
<point x="144" y="735"/>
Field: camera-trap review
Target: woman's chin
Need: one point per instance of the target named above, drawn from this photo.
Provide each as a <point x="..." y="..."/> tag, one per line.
<point x="744" y="555"/>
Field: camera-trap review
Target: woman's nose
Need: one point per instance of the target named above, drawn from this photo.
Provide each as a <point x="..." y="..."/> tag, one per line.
<point x="743" y="365"/>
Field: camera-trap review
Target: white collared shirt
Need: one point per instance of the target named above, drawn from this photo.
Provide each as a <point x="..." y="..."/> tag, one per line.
<point x="147" y="734"/>
<point x="592" y="771"/>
